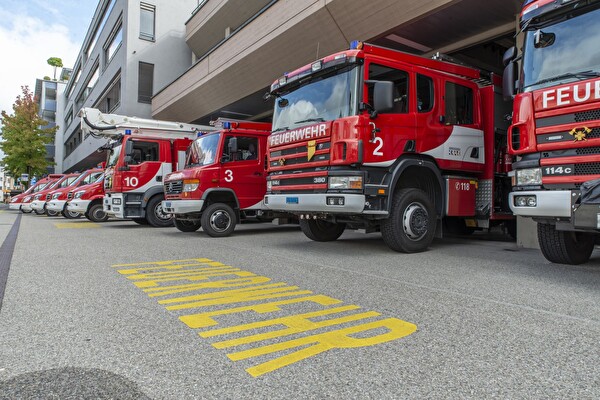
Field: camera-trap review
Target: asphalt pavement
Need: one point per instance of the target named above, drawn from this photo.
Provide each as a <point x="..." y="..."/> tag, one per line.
<point x="123" y="311"/>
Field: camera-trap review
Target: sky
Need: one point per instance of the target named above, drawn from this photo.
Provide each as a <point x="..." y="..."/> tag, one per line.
<point x="32" y="31"/>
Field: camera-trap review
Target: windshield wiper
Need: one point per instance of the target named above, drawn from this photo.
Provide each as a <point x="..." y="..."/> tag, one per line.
<point x="283" y="128"/>
<point x="582" y="74"/>
<point x="310" y="120"/>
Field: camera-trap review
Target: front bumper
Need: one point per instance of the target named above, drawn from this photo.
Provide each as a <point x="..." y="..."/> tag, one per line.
<point x="114" y="205"/>
<point x="353" y="203"/>
<point x="56" y="205"/>
<point x="26" y="207"/>
<point x="550" y="203"/>
<point x="38" y="205"/>
<point x="182" y="206"/>
<point x="14" y="206"/>
<point x="78" y="205"/>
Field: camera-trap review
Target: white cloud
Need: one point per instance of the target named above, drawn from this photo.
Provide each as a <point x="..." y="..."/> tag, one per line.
<point x="27" y="43"/>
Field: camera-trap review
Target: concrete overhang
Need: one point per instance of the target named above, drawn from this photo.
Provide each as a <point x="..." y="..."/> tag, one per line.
<point x="290" y="34"/>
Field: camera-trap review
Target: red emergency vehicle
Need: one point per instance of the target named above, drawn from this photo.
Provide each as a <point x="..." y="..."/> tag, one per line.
<point x="555" y="129"/>
<point x="141" y="153"/>
<point x="59" y="197"/>
<point x="16" y="201"/>
<point x="87" y="200"/>
<point x="40" y="200"/>
<point x="375" y="139"/>
<point x="224" y="180"/>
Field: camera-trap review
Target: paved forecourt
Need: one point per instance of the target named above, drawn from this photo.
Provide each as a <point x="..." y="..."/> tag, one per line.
<point x="132" y="311"/>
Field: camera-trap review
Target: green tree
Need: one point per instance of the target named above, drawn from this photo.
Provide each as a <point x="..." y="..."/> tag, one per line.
<point x="56" y="63"/>
<point x="24" y="138"/>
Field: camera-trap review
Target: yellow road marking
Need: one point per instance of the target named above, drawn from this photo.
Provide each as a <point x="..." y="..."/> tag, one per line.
<point x="226" y="286"/>
<point x="76" y="225"/>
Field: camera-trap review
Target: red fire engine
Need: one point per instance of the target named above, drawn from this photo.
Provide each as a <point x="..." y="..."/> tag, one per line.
<point x="59" y="197"/>
<point x="224" y="180"/>
<point x="556" y="125"/>
<point x="375" y="139"/>
<point x="87" y="200"/>
<point x="141" y="153"/>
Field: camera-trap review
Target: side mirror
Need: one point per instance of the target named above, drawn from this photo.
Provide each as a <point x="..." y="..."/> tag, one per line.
<point x="383" y="96"/>
<point x="509" y="76"/>
<point x="509" y="56"/>
<point x="232" y="145"/>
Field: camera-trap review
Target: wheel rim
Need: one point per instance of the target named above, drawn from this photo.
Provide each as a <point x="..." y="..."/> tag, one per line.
<point x="160" y="214"/>
<point x="220" y="221"/>
<point x="415" y="221"/>
<point x="73" y="214"/>
<point x="98" y="214"/>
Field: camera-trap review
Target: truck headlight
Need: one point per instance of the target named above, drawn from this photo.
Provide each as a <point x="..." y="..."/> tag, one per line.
<point x="269" y="186"/>
<point x="55" y="196"/>
<point x="189" y="185"/>
<point x="345" y="182"/>
<point x="531" y="176"/>
<point x="79" y="194"/>
<point x="37" y="197"/>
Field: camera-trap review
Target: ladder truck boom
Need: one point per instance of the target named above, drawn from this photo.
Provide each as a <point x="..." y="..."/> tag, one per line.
<point x="99" y="124"/>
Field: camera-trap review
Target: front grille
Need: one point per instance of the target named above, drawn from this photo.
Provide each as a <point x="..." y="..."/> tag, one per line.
<point x="587" y="150"/>
<point x="173" y="187"/>
<point x="589" y="115"/>
<point x="587" y="169"/>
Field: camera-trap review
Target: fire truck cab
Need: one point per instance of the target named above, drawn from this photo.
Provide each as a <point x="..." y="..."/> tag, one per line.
<point x="141" y="153"/>
<point x="378" y="140"/>
<point x="224" y="179"/>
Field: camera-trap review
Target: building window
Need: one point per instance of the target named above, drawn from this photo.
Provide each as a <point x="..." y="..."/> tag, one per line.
<point x="145" y="79"/>
<point x="98" y="30"/>
<point x="69" y="119"/>
<point x="113" y="44"/>
<point x="147" y="21"/>
<point x="111" y="99"/>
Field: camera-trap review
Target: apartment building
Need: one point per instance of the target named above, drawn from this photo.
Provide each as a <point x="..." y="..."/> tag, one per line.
<point x="132" y="50"/>
<point x="241" y="46"/>
<point x="47" y="93"/>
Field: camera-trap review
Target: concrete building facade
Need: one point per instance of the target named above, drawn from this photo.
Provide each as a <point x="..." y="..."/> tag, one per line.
<point x="132" y="50"/>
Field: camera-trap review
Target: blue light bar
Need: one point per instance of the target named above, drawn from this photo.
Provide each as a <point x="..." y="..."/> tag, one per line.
<point x="128" y="131"/>
<point x="226" y="125"/>
<point x="354" y="44"/>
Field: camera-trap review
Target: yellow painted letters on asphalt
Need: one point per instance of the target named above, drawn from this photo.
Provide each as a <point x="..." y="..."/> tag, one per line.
<point x="203" y="320"/>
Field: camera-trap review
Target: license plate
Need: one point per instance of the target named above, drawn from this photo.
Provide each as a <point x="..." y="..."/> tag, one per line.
<point x="291" y="200"/>
<point x="554" y="170"/>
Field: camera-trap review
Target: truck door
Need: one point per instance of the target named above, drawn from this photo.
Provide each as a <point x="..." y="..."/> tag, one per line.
<point x="242" y="169"/>
<point x="393" y="130"/>
<point x="145" y="166"/>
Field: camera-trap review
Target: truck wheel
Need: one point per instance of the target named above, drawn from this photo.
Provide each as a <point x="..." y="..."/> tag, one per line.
<point x="411" y="224"/>
<point x="187" y="225"/>
<point x="320" y="230"/>
<point x="51" y="213"/>
<point x="96" y="214"/>
<point x="218" y="220"/>
<point x="155" y="214"/>
<point x="25" y="212"/>
<point x="70" y="214"/>
<point x="39" y="212"/>
<point x="565" y="247"/>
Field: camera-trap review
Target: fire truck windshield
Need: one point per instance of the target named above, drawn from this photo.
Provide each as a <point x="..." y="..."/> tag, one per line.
<point x="113" y="156"/>
<point x="322" y="97"/>
<point x="203" y="150"/>
<point x="562" y="51"/>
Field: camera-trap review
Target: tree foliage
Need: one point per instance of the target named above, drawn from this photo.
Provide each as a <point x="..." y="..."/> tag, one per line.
<point x="24" y="137"/>
<point x="56" y="63"/>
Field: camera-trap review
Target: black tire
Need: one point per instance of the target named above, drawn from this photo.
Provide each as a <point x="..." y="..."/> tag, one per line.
<point x="320" y="230"/>
<point x="25" y="212"/>
<point x="218" y="220"/>
<point x="187" y="225"/>
<point x="565" y="247"/>
<point x="410" y="227"/>
<point x="155" y="215"/>
<point x="96" y="214"/>
<point x="70" y="214"/>
<point x="140" y="221"/>
<point x="37" y="212"/>
<point x="51" y="213"/>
